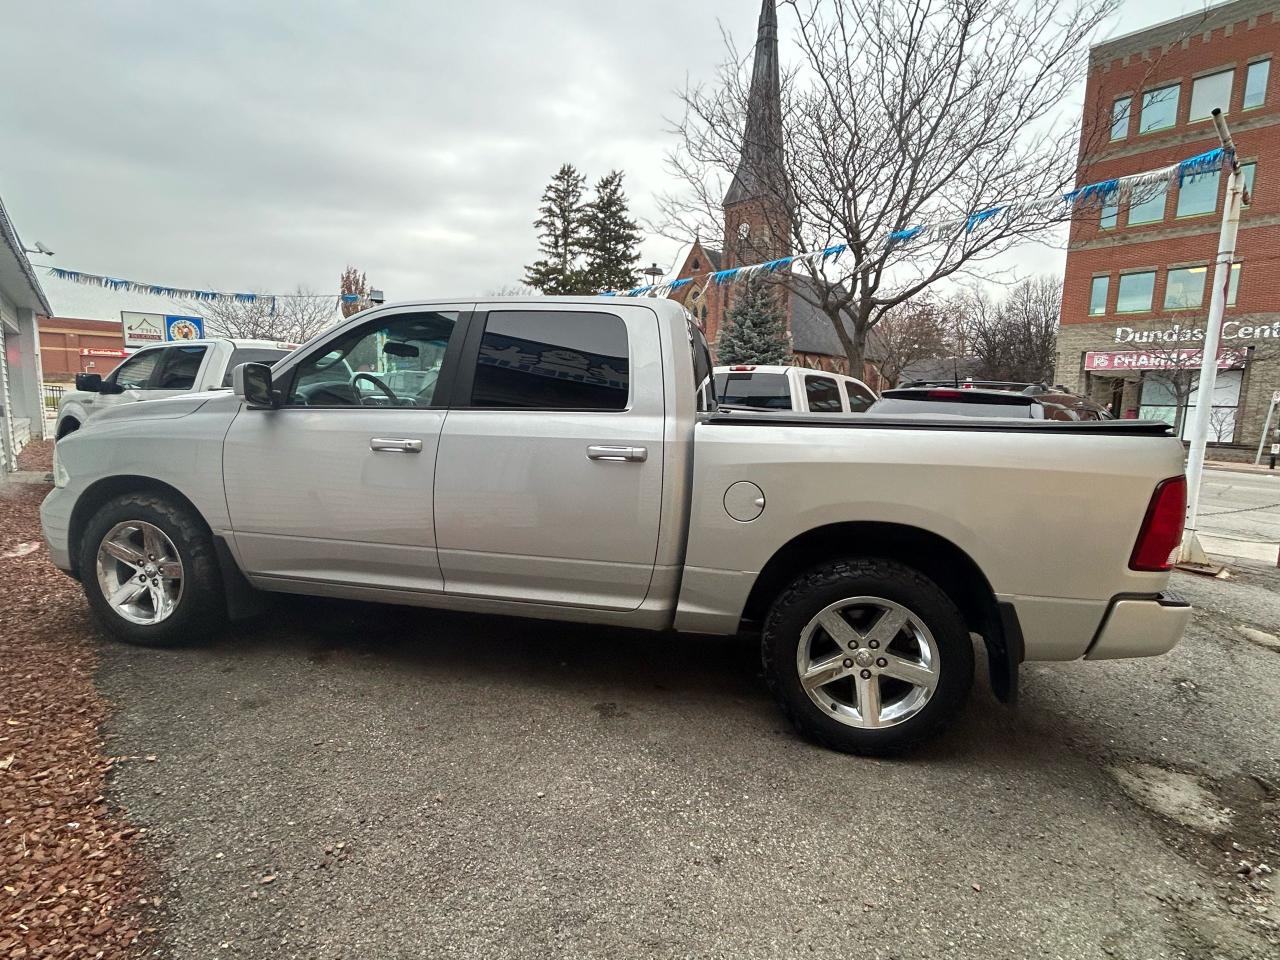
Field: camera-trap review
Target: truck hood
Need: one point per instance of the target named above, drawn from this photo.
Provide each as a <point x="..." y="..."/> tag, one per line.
<point x="168" y="408"/>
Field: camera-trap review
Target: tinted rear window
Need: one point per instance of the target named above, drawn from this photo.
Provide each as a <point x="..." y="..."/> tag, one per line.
<point x="770" y="391"/>
<point x="251" y="355"/>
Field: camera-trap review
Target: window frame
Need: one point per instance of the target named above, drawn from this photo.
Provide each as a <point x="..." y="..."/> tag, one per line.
<point x="841" y="398"/>
<point x="445" y="383"/>
<point x="1106" y="294"/>
<point x="1248" y="181"/>
<point x="1182" y="189"/>
<point x="1153" y="273"/>
<point x="1204" y="283"/>
<point x="1177" y="106"/>
<point x="1248" y="67"/>
<point x="468" y="357"/>
<point x="1164" y="209"/>
<point x="1127" y="100"/>
<point x="1212" y="74"/>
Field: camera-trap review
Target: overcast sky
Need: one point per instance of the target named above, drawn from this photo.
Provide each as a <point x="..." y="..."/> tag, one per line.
<point x="242" y="145"/>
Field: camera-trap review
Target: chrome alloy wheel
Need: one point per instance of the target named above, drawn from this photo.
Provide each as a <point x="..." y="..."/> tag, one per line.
<point x="140" y="572"/>
<point x="868" y="662"/>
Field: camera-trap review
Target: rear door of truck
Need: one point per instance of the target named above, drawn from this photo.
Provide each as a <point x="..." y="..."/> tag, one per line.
<point x="549" y="477"/>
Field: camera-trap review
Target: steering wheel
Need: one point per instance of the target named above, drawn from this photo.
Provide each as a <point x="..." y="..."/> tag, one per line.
<point x="365" y="375"/>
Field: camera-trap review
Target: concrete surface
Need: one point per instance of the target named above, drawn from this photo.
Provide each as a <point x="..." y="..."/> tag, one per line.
<point x="361" y="781"/>
<point x="1240" y="515"/>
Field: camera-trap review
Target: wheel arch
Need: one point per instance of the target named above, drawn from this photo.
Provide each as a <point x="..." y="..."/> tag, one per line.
<point x="101" y="491"/>
<point x="938" y="558"/>
<point x="67" y="425"/>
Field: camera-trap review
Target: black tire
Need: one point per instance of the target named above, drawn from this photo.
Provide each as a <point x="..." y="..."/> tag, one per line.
<point x="200" y="608"/>
<point x="812" y="592"/>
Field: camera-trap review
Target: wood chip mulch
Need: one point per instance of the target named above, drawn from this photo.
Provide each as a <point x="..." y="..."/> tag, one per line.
<point x="37" y="455"/>
<point x="69" y="868"/>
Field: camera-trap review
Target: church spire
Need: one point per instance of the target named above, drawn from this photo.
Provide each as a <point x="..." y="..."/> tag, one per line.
<point x="760" y="172"/>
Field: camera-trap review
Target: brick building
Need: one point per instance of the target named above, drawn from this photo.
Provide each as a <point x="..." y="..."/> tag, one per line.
<point x="757" y="218"/>
<point x="1138" y="276"/>
<point x="70" y="346"/>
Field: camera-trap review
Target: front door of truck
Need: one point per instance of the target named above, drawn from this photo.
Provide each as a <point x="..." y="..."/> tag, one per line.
<point x="549" y="477"/>
<point x="335" y="486"/>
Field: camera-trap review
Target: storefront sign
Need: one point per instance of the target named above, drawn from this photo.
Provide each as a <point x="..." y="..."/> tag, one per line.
<point x="1231" y="330"/>
<point x="141" y="329"/>
<point x="1173" y="359"/>
<point x="183" y="328"/>
<point x="102" y="352"/>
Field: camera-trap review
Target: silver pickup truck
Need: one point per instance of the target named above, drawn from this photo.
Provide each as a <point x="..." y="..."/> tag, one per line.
<point x="563" y="458"/>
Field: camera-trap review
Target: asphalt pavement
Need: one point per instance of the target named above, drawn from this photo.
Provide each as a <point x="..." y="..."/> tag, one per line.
<point x="351" y="780"/>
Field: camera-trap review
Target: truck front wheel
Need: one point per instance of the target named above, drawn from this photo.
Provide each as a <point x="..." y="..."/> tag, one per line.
<point x="867" y="656"/>
<point x="150" y="572"/>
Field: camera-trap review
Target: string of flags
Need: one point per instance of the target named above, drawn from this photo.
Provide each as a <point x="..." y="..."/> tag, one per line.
<point x="187" y="293"/>
<point x="1104" y="192"/>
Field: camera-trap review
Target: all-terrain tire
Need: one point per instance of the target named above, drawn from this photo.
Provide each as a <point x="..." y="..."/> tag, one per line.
<point x="816" y="590"/>
<point x="200" y="609"/>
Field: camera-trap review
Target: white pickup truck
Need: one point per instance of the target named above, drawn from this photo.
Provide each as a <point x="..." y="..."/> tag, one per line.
<point x="162" y="370"/>
<point x="563" y="458"/>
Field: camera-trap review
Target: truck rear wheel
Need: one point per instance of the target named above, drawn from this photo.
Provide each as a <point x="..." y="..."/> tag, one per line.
<point x="867" y="656"/>
<point x="150" y="572"/>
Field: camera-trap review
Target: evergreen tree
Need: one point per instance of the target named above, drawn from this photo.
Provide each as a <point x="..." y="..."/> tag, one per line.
<point x="755" y="328"/>
<point x="612" y="237"/>
<point x="561" y="236"/>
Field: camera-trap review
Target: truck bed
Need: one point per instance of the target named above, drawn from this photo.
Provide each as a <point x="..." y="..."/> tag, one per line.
<point x="1121" y="428"/>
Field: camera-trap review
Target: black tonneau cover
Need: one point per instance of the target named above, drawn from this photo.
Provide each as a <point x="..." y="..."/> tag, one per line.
<point x="870" y="421"/>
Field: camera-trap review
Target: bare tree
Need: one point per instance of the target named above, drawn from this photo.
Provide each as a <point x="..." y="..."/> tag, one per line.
<point x="914" y="331"/>
<point x="294" y="318"/>
<point x="898" y="113"/>
<point x="1014" y="338"/>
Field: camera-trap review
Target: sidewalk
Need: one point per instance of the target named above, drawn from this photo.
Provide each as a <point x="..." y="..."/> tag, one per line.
<point x="1243" y="467"/>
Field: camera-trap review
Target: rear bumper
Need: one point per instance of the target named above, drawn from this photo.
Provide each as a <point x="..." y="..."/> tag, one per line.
<point x="1140" y="627"/>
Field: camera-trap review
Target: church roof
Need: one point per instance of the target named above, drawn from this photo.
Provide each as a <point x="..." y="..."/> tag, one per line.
<point x="761" y="171"/>
<point x="812" y="332"/>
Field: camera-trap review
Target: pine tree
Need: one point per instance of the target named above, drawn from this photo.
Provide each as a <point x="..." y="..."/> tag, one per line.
<point x="755" y="329"/>
<point x="561" y="236"/>
<point x="612" y="237"/>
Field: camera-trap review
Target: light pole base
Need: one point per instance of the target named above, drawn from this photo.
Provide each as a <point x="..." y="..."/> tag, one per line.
<point x="1192" y="558"/>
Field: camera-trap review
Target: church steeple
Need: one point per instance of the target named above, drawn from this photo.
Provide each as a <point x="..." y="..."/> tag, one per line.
<point x="760" y="172"/>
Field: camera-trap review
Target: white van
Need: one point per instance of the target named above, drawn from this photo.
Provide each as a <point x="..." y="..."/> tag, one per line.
<point x="791" y="388"/>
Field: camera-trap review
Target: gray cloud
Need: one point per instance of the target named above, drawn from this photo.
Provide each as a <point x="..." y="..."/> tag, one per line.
<point x="251" y="145"/>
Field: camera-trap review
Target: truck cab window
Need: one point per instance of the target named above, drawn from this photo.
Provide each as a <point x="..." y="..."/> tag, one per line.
<point x="180" y="367"/>
<point x="135" y="373"/>
<point x="823" y="394"/>
<point x="552" y="360"/>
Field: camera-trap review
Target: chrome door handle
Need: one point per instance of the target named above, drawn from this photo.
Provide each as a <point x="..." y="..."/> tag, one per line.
<point x="630" y="454"/>
<point x="396" y="445"/>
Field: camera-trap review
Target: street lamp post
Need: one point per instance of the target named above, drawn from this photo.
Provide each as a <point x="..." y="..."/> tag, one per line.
<point x="654" y="273"/>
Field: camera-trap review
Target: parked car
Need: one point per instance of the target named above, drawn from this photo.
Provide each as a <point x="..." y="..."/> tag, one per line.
<point x="768" y="387"/>
<point x="1055" y="403"/>
<point x="159" y="371"/>
<point x="957" y="402"/>
<point x="569" y="462"/>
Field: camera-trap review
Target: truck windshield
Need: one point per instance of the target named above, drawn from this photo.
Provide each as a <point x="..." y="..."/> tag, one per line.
<point x="771" y="391"/>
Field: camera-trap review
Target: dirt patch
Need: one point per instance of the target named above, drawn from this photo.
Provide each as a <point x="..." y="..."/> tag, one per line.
<point x="70" y="869"/>
<point x="37" y="456"/>
<point x="1181" y="797"/>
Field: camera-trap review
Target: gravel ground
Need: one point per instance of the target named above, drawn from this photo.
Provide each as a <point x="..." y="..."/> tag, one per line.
<point x="347" y="780"/>
<point x="70" y="871"/>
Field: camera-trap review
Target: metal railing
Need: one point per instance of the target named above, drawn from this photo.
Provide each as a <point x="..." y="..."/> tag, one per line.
<point x="51" y="394"/>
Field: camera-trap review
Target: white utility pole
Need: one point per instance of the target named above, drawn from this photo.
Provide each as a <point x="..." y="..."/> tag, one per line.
<point x="1191" y="551"/>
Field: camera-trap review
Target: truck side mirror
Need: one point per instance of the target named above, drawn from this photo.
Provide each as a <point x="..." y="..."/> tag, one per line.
<point x="252" y="383"/>
<point x="89" y="382"/>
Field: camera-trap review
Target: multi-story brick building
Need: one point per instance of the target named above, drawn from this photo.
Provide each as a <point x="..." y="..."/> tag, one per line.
<point x="70" y="346"/>
<point x="1136" y="292"/>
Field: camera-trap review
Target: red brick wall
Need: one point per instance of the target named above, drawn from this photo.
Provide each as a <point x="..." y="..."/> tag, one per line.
<point x="1119" y="70"/>
<point x="62" y="339"/>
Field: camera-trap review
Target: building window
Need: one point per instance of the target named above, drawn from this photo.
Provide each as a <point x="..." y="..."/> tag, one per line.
<point x="1098" y="296"/>
<point x="1135" y="291"/>
<point x="1120" y="118"/>
<point x="1198" y="194"/>
<point x="1247" y="170"/>
<point x="1110" y="214"/>
<point x="1170" y="395"/>
<point x="1149" y="205"/>
<point x="1184" y="289"/>
<point x="1210" y="93"/>
<point x="1255" y="84"/>
<point x="1233" y="285"/>
<point x="1159" y="109"/>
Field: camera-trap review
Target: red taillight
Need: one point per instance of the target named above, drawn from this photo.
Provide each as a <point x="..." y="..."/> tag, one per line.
<point x="1161" y="532"/>
<point x="742" y="366"/>
<point x="944" y="394"/>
